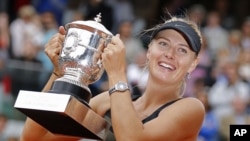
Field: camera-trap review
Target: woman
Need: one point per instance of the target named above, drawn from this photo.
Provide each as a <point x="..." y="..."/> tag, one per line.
<point x="161" y="113"/>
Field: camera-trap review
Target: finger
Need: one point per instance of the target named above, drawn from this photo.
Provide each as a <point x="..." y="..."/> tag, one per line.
<point x="117" y="41"/>
<point x="53" y="54"/>
<point x="110" y="47"/>
<point x="57" y="39"/>
<point x="61" y="38"/>
<point x="52" y="45"/>
<point x="52" y="50"/>
<point x="57" y="50"/>
<point x="101" y="46"/>
<point x="114" y="40"/>
<point x="62" y="30"/>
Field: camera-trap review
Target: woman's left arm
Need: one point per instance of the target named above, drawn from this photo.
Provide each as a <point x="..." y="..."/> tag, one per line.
<point x="125" y="121"/>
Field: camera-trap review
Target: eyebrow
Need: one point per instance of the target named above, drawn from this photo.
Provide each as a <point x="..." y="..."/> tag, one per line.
<point x="184" y="45"/>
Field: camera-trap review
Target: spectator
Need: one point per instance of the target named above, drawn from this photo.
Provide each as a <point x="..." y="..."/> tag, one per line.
<point x="133" y="44"/>
<point x="49" y="28"/>
<point x="94" y="7"/>
<point x="3" y="122"/>
<point x="197" y="13"/>
<point x="245" y="29"/>
<point x="137" y="73"/>
<point x="4" y="42"/>
<point x="216" y="35"/>
<point x="234" y="47"/>
<point x="210" y="127"/>
<point x="26" y="43"/>
<point x="123" y="10"/>
<point x="55" y="6"/>
<point x="13" y="129"/>
<point x="228" y="86"/>
<point x="73" y="11"/>
<point x="239" y="117"/>
<point x="226" y="13"/>
<point x="244" y="69"/>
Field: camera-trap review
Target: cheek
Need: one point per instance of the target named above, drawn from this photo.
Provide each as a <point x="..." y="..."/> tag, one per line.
<point x="152" y="56"/>
<point x="185" y="65"/>
<point x="153" y="52"/>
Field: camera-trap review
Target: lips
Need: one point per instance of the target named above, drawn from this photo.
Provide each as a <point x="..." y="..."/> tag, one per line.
<point x="167" y="66"/>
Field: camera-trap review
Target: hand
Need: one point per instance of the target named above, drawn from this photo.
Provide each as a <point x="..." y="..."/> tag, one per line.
<point x="114" y="57"/>
<point x="54" y="47"/>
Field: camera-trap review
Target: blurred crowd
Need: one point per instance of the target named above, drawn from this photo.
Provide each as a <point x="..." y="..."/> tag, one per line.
<point x="221" y="80"/>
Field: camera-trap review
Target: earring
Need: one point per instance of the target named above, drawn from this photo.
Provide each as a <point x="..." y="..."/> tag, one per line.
<point x="145" y="68"/>
<point x="188" y="76"/>
<point x="146" y="62"/>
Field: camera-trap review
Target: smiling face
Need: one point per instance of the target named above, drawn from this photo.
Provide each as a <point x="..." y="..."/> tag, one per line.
<point x="170" y="57"/>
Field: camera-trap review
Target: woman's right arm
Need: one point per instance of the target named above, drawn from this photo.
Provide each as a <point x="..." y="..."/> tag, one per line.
<point x="53" y="49"/>
<point x="100" y="104"/>
<point x="32" y="131"/>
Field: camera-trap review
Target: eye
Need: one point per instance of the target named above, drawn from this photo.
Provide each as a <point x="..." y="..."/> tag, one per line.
<point x="182" y="50"/>
<point x="163" y="43"/>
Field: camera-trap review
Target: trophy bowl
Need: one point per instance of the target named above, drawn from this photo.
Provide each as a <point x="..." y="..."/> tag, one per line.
<point x="80" y="58"/>
<point x="64" y="108"/>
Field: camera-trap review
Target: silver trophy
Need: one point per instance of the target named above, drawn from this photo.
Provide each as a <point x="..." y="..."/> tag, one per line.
<point x="64" y="109"/>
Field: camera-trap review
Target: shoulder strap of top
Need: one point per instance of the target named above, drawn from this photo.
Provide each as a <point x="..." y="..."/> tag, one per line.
<point x="156" y="112"/>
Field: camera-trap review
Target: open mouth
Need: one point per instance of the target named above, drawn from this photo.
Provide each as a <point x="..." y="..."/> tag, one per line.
<point x="167" y="66"/>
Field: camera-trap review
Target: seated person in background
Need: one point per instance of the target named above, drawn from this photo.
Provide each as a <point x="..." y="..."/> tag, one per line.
<point x="239" y="116"/>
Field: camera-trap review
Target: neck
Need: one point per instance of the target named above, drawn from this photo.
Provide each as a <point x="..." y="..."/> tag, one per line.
<point x="158" y="94"/>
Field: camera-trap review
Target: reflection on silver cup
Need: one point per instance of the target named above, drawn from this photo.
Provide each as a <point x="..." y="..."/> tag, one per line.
<point x="80" y="58"/>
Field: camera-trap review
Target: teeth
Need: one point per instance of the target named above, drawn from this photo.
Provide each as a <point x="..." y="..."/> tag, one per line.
<point x="166" y="66"/>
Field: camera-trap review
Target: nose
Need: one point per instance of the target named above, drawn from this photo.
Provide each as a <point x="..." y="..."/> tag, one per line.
<point x="169" y="53"/>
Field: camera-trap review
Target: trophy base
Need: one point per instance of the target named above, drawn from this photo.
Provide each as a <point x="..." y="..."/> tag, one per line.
<point x="62" y="114"/>
<point x="83" y="94"/>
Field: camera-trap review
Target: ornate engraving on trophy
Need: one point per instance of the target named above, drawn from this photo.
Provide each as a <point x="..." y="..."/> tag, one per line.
<point x="71" y="42"/>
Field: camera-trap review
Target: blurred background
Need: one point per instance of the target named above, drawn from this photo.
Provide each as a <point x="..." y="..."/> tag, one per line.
<point x="221" y="80"/>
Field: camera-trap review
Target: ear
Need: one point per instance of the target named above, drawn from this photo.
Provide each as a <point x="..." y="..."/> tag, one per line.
<point x="148" y="54"/>
<point x="194" y="64"/>
<point x="149" y="50"/>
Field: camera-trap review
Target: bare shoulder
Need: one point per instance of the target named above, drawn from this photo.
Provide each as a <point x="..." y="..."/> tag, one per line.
<point x="189" y="111"/>
<point x="191" y="101"/>
<point x="190" y="106"/>
<point x="186" y="114"/>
